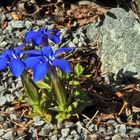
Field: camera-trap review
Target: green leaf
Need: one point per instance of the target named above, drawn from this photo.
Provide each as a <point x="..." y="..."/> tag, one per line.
<point x="30" y="89"/>
<point x="88" y="75"/>
<point x="72" y="107"/>
<point x="62" y="116"/>
<point x="55" y="108"/>
<point x="74" y="83"/>
<point x="43" y="85"/>
<point x="78" y="70"/>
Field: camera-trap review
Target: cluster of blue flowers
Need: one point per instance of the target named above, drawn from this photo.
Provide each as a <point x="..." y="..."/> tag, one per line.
<point x="40" y="60"/>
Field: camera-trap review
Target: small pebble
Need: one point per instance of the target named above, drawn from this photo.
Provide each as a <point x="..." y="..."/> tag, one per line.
<point x="69" y="137"/>
<point x="1" y="132"/>
<point x="8" y="135"/>
<point x="54" y="137"/>
<point x="8" y="16"/>
<point x="77" y="137"/>
<point x="135" y="132"/>
<point x="107" y="138"/>
<point x="36" y="118"/>
<point x="122" y="130"/>
<point x="28" y="24"/>
<point x="39" y="123"/>
<point x="13" y="117"/>
<point x="93" y="137"/>
<point x="91" y="128"/>
<point x="17" y="24"/>
<point x="102" y="130"/>
<point x="65" y="132"/>
<point x="116" y="137"/>
<point x="3" y="44"/>
<point x="40" y="22"/>
<point x="73" y="132"/>
<point x="2" y="100"/>
<point x="10" y="97"/>
<point x="69" y="124"/>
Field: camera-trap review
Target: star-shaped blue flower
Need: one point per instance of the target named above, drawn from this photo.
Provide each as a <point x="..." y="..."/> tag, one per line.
<point x="41" y="36"/>
<point x="12" y="59"/>
<point x="42" y="61"/>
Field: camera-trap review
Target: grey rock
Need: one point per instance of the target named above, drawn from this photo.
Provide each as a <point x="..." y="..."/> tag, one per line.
<point x="135" y="132"/>
<point x="54" y="137"/>
<point x="8" y="136"/>
<point x="75" y="40"/>
<point x="1" y="132"/>
<point x="28" y="24"/>
<point x="8" y="16"/>
<point x="102" y="129"/>
<point x="91" y="127"/>
<point x="10" y="109"/>
<point x="36" y="118"/>
<point x="18" y="93"/>
<point x="107" y="138"/>
<point x="69" y="124"/>
<point x="3" y="44"/>
<point x="10" y="97"/>
<point x="13" y="117"/>
<point x="47" y="128"/>
<point x="116" y="137"/>
<point x="9" y="28"/>
<point x="2" y="88"/>
<point x="69" y="137"/>
<point x="73" y="132"/>
<point x="65" y="132"/>
<point x="93" y="137"/>
<point x="39" y="123"/>
<point x="59" y="125"/>
<point x="79" y="130"/>
<point x="1" y="118"/>
<point x="2" y="100"/>
<point x="77" y="137"/>
<point x="62" y="138"/>
<point x="96" y="128"/>
<point x="2" y="17"/>
<point x="119" y="42"/>
<point x="40" y="22"/>
<point x="17" y="24"/>
<point x="122" y="130"/>
<point x="1" y="31"/>
<point x="71" y="44"/>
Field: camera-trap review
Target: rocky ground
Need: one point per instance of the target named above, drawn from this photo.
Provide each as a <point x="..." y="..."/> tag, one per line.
<point x="116" y="39"/>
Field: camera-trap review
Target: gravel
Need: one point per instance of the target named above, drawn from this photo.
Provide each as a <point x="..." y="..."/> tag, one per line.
<point x="9" y="135"/>
<point x="65" y="132"/>
<point x="11" y="90"/>
<point x="17" y="24"/>
<point x="28" y="24"/>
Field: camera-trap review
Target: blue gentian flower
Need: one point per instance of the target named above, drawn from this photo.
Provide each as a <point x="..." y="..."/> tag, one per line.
<point x="42" y="61"/>
<point x="40" y="37"/>
<point x="12" y="58"/>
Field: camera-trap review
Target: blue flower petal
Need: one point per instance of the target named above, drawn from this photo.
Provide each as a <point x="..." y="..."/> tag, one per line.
<point x="31" y="61"/>
<point x="32" y="52"/>
<point x="63" y="50"/>
<point x="54" y="38"/>
<point x="30" y="35"/>
<point x="39" y="71"/>
<point x="16" y="67"/>
<point x="62" y="64"/>
<point x="38" y="40"/>
<point x="47" y="51"/>
<point x="3" y="63"/>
